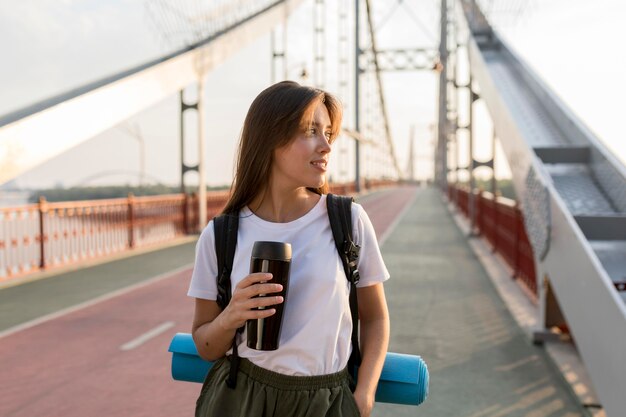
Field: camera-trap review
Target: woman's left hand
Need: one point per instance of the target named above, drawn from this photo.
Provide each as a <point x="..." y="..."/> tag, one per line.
<point x="364" y="402"/>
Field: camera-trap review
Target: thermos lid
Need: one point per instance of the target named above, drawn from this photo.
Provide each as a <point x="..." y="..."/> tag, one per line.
<point x="275" y="251"/>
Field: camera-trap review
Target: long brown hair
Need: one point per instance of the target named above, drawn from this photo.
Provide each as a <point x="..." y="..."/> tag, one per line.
<point x="273" y="120"/>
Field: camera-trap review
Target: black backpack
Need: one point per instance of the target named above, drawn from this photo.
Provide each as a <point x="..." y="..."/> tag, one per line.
<point x="340" y="217"/>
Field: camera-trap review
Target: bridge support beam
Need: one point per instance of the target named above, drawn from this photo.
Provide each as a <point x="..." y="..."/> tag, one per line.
<point x="200" y="167"/>
<point x="184" y="167"/>
<point x="202" y="209"/>
<point x="441" y="162"/>
<point x="278" y="45"/>
<point x="357" y="75"/>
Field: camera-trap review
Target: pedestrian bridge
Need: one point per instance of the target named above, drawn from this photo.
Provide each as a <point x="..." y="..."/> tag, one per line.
<point x="102" y="332"/>
<point x="564" y="241"/>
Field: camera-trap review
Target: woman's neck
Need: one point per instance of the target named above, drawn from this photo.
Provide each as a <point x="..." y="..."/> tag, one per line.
<point x="283" y="206"/>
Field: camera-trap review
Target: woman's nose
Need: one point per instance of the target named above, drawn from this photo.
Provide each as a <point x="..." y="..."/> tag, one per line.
<point x="324" y="146"/>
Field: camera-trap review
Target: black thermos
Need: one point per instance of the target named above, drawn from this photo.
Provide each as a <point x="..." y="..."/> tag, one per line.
<point x="275" y="258"/>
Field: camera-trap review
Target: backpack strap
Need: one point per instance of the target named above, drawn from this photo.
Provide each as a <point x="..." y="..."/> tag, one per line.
<point x="340" y="217"/>
<point x="225" y="228"/>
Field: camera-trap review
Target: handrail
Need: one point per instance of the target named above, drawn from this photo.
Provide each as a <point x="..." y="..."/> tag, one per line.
<point x="37" y="237"/>
<point x="501" y="222"/>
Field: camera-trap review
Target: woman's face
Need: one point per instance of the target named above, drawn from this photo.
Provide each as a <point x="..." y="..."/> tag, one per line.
<point x="302" y="162"/>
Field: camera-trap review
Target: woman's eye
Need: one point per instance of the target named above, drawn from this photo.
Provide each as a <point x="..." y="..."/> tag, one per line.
<point x="313" y="131"/>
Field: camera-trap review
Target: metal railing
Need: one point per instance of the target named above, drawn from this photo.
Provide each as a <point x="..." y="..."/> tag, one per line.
<point x="38" y="237"/>
<point x="47" y="235"/>
<point x="501" y="222"/>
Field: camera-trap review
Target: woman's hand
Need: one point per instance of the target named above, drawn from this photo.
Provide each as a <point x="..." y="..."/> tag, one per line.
<point x="244" y="304"/>
<point x="213" y="329"/>
<point x="364" y="402"/>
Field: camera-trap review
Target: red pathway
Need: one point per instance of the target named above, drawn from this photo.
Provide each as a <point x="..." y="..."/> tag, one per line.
<point x="73" y="365"/>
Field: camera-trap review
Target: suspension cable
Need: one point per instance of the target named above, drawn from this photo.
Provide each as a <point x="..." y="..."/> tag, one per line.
<point x="381" y="95"/>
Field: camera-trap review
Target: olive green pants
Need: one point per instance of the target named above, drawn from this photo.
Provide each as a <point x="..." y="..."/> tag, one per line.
<point x="263" y="393"/>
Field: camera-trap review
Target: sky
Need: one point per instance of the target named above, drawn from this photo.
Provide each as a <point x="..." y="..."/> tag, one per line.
<point x="52" y="46"/>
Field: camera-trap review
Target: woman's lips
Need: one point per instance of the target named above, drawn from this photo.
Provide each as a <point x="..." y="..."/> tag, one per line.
<point x="320" y="164"/>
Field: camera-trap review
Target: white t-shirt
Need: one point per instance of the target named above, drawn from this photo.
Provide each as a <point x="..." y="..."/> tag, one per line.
<point x="317" y="325"/>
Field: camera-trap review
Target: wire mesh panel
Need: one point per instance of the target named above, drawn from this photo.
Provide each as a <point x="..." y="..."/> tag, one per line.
<point x="186" y="22"/>
<point x="536" y="205"/>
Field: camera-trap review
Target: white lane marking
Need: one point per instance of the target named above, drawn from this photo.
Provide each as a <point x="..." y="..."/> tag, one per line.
<point x="141" y="339"/>
<point x="105" y="297"/>
<point x="397" y="219"/>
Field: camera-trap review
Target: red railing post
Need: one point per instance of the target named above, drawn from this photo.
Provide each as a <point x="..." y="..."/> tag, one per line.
<point x="496" y="211"/>
<point x="131" y="220"/>
<point x="185" y="214"/>
<point x="472" y="208"/>
<point x="43" y="209"/>
<point x="194" y="212"/>
<point x="480" y="215"/>
<point x="516" y="240"/>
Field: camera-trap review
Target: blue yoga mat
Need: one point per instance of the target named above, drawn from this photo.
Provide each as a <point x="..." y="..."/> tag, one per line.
<point x="404" y="379"/>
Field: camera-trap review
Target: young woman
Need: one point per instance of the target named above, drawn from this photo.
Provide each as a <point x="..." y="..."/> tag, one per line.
<point x="279" y="194"/>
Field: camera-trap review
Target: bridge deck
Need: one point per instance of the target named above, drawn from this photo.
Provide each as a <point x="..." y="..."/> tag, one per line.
<point x="444" y="307"/>
<point x="442" y="304"/>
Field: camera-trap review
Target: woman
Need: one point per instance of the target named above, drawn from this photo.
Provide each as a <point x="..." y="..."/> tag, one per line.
<point x="279" y="192"/>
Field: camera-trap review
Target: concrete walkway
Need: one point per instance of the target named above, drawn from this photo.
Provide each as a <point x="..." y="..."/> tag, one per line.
<point x="444" y="308"/>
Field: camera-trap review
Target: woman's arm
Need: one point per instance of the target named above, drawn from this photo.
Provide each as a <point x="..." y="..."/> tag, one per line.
<point x="211" y="340"/>
<point x="374" y="319"/>
<point x="213" y="330"/>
